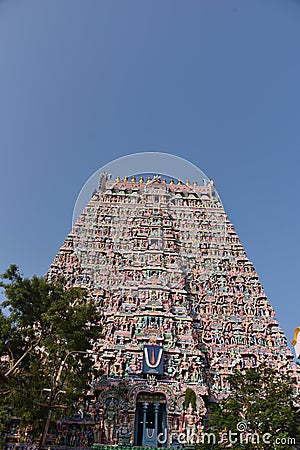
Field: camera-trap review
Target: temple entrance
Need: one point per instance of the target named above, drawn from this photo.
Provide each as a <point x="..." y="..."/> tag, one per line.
<point x="150" y="420"/>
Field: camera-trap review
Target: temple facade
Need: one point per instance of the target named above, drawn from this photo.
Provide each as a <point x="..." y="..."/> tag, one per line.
<point x="181" y="307"/>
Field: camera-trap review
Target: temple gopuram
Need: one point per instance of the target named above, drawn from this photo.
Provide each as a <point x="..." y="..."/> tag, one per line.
<point x="181" y="305"/>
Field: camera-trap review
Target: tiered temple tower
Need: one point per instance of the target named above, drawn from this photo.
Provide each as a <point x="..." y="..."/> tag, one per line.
<point x="181" y="305"/>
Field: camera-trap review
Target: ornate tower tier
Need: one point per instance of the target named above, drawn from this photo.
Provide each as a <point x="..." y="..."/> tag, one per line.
<point x="181" y="306"/>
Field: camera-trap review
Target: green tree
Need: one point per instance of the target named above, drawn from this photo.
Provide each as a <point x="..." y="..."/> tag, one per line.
<point x="190" y="398"/>
<point x="47" y="339"/>
<point x="261" y="407"/>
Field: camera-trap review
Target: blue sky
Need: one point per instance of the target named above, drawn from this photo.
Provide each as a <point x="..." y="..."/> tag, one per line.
<point x="213" y="81"/>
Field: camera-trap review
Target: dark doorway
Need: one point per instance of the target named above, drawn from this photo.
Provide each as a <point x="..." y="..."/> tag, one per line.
<point x="150" y="420"/>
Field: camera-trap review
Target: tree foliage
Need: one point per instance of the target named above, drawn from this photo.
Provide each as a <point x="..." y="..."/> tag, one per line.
<point x="45" y="340"/>
<point x="261" y="408"/>
<point x="190" y="398"/>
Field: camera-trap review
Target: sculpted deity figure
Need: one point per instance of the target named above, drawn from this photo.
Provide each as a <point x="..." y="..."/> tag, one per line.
<point x="124" y="432"/>
<point x="133" y="365"/>
<point x="117" y="367"/>
<point x="97" y="433"/>
<point x="110" y="421"/>
<point x="190" y="423"/>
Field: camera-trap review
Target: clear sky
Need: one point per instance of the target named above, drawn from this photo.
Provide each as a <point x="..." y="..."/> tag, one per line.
<point x="213" y="81"/>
